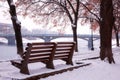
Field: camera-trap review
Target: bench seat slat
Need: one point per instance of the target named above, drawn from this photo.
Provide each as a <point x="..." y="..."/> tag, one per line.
<point x="63" y="50"/>
<point x="57" y="49"/>
<point x="33" y="58"/>
<point x="59" y="46"/>
<point x="38" y="60"/>
<point x="61" y="57"/>
<point x="57" y="53"/>
<point x="42" y="43"/>
<point x="42" y="47"/>
<point x="40" y="51"/>
<point x="36" y="55"/>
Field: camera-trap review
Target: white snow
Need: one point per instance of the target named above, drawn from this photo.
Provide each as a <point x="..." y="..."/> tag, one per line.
<point x="98" y="70"/>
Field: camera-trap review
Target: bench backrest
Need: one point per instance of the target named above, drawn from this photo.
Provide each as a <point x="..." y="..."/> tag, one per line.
<point x="64" y="50"/>
<point x="39" y="52"/>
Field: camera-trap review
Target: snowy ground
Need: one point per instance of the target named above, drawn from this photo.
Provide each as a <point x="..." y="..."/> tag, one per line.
<point x="98" y="70"/>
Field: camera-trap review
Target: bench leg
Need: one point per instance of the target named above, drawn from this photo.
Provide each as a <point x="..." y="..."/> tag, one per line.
<point x="18" y="65"/>
<point x="68" y="62"/>
<point x="24" y="69"/>
<point x="50" y="65"/>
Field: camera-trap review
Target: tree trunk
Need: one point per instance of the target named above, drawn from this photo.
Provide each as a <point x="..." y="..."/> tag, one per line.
<point x="116" y="35"/>
<point x="107" y="21"/>
<point x="17" y="27"/>
<point x="74" y="28"/>
<point x="117" y="38"/>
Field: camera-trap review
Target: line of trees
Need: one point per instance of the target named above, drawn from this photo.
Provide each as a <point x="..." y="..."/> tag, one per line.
<point x="61" y="11"/>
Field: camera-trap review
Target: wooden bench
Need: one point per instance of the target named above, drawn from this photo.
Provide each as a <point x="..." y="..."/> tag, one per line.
<point x="45" y="52"/>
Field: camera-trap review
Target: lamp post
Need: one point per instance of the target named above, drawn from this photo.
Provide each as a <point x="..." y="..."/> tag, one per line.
<point x="92" y="48"/>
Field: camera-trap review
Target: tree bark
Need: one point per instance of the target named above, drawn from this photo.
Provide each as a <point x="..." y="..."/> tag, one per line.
<point x="116" y="35"/>
<point x="107" y="21"/>
<point x="74" y="29"/>
<point x="117" y="38"/>
<point x="17" y="27"/>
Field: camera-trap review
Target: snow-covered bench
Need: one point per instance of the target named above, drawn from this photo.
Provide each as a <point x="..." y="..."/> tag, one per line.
<point x="45" y="52"/>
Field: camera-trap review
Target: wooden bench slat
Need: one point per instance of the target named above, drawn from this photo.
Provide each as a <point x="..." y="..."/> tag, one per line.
<point x="38" y="60"/>
<point x="63" y="49"/>
<point x="62" y="52"/>
<point x="42" y="43"/>
<point x="35" y="55"/>
<point x="42" y="47"/>
<point x="64" y="46"/>
<point x="61" y="57"/>
<point x="40" y="51"/>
